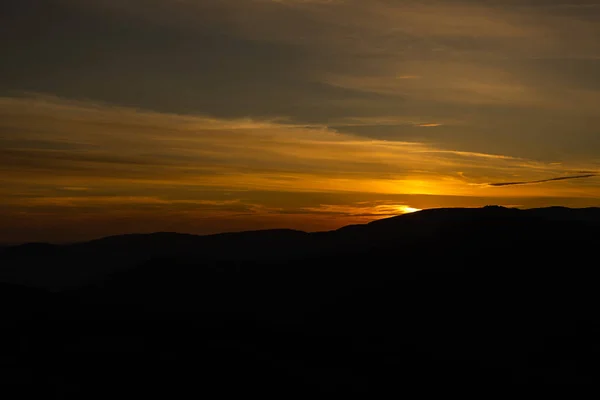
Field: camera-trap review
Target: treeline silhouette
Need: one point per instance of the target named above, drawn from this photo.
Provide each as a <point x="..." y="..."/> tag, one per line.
<point x="431" y="300"/>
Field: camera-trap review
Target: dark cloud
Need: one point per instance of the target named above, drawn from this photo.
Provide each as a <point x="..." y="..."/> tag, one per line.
<point x="562" y="178"/>
<point x="232" y="58"/>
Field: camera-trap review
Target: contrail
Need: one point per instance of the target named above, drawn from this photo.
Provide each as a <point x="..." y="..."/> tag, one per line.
<point x="563" y="178"/>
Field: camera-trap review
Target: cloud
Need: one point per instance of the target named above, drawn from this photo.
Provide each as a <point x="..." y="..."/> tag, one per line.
<point x="78" y="140"/>
<point x="319" y="100"/>
<point x="498" y="67"/>
<point x="562" y="178"/>
<point x="389" y="120"/>
<point x="71" y="142"/>
<point x="367" y="210"/>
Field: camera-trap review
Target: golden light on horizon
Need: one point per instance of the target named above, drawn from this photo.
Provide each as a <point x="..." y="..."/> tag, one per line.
<point x="113" y="169"/>
<point x="403" y="209"/>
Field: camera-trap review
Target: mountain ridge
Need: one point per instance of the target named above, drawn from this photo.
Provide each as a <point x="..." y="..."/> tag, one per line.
<point x="493" y="227"/>
<point x="492" y="210"/>
<point x="492" y="295"/>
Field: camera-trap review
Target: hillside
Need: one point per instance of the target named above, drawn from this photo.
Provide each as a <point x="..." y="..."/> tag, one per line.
<point x="493" y="295"/>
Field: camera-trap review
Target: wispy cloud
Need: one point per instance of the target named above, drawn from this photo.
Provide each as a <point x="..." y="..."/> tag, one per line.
<point x="64" y="162"/>
<point x="498" y="67"/>
<point x="118" y="144"/>
<point x="562" y="178"/>
<point x="368" y="210"/>
<point x="428" y="125"/>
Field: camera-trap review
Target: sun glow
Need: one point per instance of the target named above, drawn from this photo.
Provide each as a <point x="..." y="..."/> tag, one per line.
<point x="407" y="209"/>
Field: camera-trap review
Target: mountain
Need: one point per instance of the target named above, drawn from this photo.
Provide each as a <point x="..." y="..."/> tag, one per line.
<point x="61" y="266"/>
<point x="430" y="300"/>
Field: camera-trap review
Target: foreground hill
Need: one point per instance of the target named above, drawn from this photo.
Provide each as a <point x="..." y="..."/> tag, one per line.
<point x="435" y="299"/>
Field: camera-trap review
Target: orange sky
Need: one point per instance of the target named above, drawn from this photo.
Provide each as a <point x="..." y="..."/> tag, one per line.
<point x="211" y="116"/>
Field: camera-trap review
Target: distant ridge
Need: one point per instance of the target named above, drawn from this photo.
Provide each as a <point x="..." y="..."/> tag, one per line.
<point x="56" y="266"/>
<point x="548" y="213"/>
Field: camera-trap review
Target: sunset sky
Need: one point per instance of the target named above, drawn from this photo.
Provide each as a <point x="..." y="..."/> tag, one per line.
<point x="206" y="116"/>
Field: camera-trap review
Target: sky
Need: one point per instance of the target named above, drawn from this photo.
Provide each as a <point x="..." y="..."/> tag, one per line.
<point x="206" y="116"/>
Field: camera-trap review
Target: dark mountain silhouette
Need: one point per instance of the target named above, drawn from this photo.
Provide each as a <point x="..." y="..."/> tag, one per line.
<point x="435" y="299"/>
